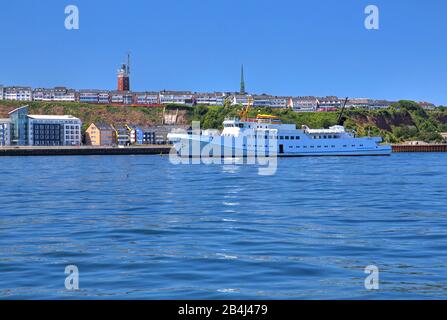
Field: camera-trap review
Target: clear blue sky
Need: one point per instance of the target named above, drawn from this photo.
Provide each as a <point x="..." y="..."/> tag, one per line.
<point x="291" y="47"/>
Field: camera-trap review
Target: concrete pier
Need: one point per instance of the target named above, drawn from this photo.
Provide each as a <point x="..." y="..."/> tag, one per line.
<point x="84" y="151"/>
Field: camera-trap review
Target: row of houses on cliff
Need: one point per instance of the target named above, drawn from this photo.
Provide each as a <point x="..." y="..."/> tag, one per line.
<point x="188" y="98"/>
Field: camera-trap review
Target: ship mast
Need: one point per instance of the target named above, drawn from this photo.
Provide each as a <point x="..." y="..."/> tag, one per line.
<point x="339" y="121"/>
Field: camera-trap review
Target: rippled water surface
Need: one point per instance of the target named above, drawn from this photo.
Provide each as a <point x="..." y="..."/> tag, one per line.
<point x="139" y="227"/>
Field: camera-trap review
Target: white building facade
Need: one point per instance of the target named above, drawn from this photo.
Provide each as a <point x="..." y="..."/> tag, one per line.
<point x="45" y="130"/>
<point x="176" y="97"/>
<point x="265" y="100"/>
<point x="121" y="97"/>
<point x="18" y="93"/>
<point x="146" y="98"/>
<point x="210" y="99"/>
<point x="305" y="104"/>
<point x="5" y="132"/>
<point x="329" y="103"/>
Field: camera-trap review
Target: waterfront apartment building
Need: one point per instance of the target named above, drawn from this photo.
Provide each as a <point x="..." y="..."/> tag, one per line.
<point x="122" y="135"/>
<point x="53" y="130"/>
<point x="19" y="126"/>
<point x="176" y="97"/>
<point x="148" y="135"/>
<point x="1" y="92"/>
<point x="5" y="132"/>
<point x="161" y="132"/>
<point x="100" y="134"/>
<point x="17" y="93"/>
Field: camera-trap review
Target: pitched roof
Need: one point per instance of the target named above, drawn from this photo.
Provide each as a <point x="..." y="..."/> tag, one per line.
<point x="103" y="126"/>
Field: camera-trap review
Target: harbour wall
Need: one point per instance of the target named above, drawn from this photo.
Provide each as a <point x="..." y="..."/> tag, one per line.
<point x="157" y="150"/>
<point x="83" y="151"/>
<point x="419" y="148"/>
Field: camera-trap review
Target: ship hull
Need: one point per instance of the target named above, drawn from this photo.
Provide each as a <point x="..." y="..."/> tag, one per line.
<point x="216" y="147"/>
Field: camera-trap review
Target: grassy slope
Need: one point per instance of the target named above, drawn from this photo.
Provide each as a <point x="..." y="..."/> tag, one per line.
<point x="89" y="113"/>
<point x="403" y="121"/>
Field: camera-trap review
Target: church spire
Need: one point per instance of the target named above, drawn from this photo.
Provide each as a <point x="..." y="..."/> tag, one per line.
<point x="242" y="91"/>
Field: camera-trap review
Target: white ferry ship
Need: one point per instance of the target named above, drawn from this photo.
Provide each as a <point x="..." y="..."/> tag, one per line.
<point x="266" y="135"/>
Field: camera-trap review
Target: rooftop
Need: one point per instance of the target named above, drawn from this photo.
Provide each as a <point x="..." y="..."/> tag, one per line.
<point x="52" y="117"/>
<point x="103" y="126"/>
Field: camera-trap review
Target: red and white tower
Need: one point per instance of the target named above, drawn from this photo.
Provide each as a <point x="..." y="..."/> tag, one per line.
<point x="124" y="76"/>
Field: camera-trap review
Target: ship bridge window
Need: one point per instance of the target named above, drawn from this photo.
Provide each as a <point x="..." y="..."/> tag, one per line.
<point x="292" y="138"/>
<point x="297" y="137"/>
<point x="281" y="137"/>
<point x="287" y="137"/>
<point x="241" y="125"/>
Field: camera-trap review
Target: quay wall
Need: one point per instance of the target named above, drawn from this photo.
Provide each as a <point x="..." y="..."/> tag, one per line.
<point x="83" y="151"/>
<point x="420" y="148"/>
<point x="157" y="150"/>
